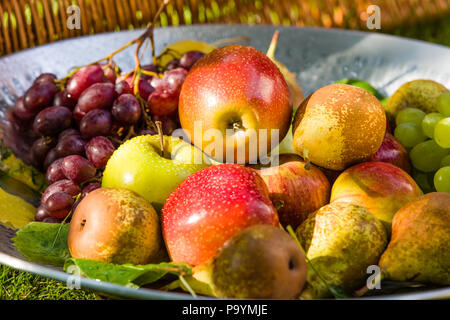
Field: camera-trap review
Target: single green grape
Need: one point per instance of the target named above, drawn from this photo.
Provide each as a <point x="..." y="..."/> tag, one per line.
<point x="443" y="103"/>
<point x="427" y="156"/>
<point x="429" y="122"/>
<point x="445" y="161"/>
<point x="442" y="133"/>
<point x="442" y="180"/>
<point x="409" y="134"/>
<point x="424" y="180"/>
<point x="413" y="115"/>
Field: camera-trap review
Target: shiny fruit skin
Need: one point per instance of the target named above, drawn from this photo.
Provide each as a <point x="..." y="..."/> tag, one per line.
<point x="209" y="207"/>
<point x="235" y="85"/>
<point x="78" y="169"/>
<point x="64" y="185"/>
<point x="393" y="152"/>
<point x="260" y="262"/>
<point x="97" y="96"/>
<point x="83" y="79"/>
<point x="54" y="171"/>
<point x="115" y="225"/>
<point x="52" y="120"/>
<point x="295" y="191"/>
<point x="339" y="125"/>
<point x="39" y="96"/>
<point x="380" y="187"/>
<point x="137" y="165"/>
<point x="99" y="150"/>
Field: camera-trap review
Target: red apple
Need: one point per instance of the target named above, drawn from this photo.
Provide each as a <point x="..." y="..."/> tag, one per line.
<point x="393" y="152"/>
<point x="209" y="207"/>
<point x="379" y="186"/>
<point x="294" y="190"/>
<point x="239" y="89"/>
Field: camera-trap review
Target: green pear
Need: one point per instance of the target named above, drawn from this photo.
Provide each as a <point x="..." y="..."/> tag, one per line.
<point x="341" y="240"/>
<point x="421" y="94"/>
<point x="259" y="262"/>
<point x="139" y="165"/>
<point x="419" y="247"/>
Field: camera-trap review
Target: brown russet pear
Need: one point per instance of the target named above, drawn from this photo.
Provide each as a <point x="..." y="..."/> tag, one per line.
<point x="341" y="240"/>
<point x="419" y="249"/>
<point x="260" y="262"/>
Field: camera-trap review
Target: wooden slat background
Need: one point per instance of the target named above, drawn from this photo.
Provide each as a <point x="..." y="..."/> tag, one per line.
<point x="27" y="23"/>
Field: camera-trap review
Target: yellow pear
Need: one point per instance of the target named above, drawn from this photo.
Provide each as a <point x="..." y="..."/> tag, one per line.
<point x="419" y="248"/>
<point x="341" y="241"/>
<point x="421" y="94"/>
<point x="339" y="125"/>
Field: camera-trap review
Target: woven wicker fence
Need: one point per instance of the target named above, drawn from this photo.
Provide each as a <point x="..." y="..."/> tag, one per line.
<point x="27" y="23"/>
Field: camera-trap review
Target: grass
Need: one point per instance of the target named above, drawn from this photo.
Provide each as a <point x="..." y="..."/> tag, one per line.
<point x="437" y="31"/>
<point x="17" y="285"/>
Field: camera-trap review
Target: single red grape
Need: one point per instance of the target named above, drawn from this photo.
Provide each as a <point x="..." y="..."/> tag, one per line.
<point x="78" y="169"/>
<point x="62" y="98"/>
<point x="45" y="77"/>
<point x="39" y="96"/>
<point x="122" y="87"/>
<point x="188" y="59"/>
<point x="173" y="64"/>
<point x="70" y="145"/>
<point x="55" y="172"/>
<point x="59" y="204"/>
<point x="52" y="120"/>
<point x="99" y="150"/>
<point x="83" y="79"/>
<point x="96" y="122"/>
<point x="65" y="185"/>
<point x="69" y="132"/>
<point x="20" y="111"/>
<point x="97" y="96"/>
<point x="41" y="213"/>
<point x="90" y="187"/>
<point x="41" y="148"/>
<point x="126" y="109"/>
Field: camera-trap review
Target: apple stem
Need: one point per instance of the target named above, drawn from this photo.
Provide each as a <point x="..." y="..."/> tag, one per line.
<point x="273" y="45"/>
<point x="237" y="126"/>
<point x="161" y="136"/>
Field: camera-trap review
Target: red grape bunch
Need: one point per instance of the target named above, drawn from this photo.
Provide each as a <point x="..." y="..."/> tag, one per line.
<point x="76" y="123"/>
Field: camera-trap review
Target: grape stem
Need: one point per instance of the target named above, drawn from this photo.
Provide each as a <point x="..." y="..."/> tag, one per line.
<point x="139" y="41"/>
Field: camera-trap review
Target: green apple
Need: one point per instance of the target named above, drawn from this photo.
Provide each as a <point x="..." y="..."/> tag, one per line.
<point x="139" y="166"/>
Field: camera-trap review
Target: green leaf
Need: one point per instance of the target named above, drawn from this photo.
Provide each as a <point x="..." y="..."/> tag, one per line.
<point x="44" y="243"/>
<point x="125" y="274"/>
<point x="17" y="169"/>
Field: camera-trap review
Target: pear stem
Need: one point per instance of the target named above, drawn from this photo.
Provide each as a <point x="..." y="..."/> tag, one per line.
<point x="161" y="136"/>
<point x="187" y="286"/>
<point x="273" y="45"/>
<point x="365" y="289"/>
<point x="306" y="158"/>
